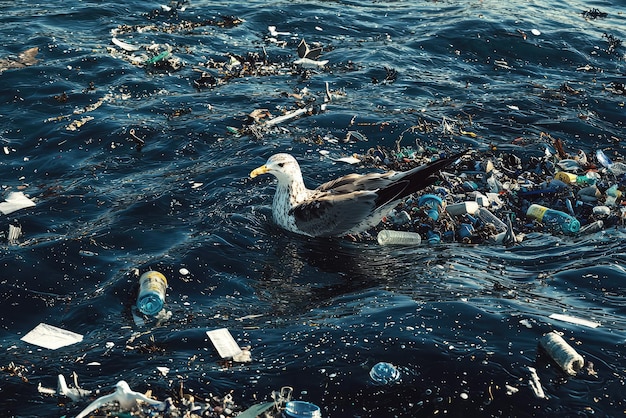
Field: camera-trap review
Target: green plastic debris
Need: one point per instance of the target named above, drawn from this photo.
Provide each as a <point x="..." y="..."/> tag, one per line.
<point x="158" y="58"/>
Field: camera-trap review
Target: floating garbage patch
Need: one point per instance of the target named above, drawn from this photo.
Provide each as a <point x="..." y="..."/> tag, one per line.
<point x="498" y="198"/>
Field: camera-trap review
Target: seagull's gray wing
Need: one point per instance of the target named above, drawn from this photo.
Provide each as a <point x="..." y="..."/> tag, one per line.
<point x="332" y="215"/>
<point x="357" y="182"/>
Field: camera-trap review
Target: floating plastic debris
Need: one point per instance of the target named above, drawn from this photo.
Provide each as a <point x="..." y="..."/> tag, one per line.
<point x="163" y="370"/>
<point x="462" y="208"/>
<point x="388" y="237"/>
<point x="384" y="373"/>
<point x="51" y="337"/>
<point x="15" y="201"/>
<point x="489" y="218"/>
<point x="287" y="116"/>
<point x="273" y="32"/>
<point x="603" y="159"/>
<point x="158" y="57"/>
<point x="562" y="353"/>
<point x="125" y="46"/>
<point x="566" y="223"/>
<point x="510" y="390"/>
<point x="432" y="204"/>
<point x="535" y="384"/>
<point x="152" y="287"/>
<point x="224" y="343"/>
<point x="15" y="231"/>
<point x="348" y="160"/>
<point x="301" y="409"/>
<point x="245" y="356"/>
<point x="574" y="320"/>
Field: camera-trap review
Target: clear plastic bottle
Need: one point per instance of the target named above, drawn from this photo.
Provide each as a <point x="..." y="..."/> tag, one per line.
<point x="592" y="227"/>
<point x="566" y="223"/>
<point x="152" y="286"/>
<point x="487" y="217"/>
<point x="388" y="237"/>
<point x="384" y="373"/>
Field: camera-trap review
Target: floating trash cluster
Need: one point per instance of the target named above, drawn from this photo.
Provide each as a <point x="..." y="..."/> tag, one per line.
<point x="498" y="197"/>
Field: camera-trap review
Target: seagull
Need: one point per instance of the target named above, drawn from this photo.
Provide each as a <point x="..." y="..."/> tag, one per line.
<point x="308" y="58"/>
<point x="124" y="395"/>
<point x="348" y="205"/>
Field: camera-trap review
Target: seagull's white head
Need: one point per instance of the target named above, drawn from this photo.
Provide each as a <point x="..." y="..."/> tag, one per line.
<point x="283" y="166"/>
<point x="122" y="387"/>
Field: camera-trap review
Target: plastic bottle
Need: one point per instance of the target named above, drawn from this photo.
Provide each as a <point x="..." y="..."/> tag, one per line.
<point x="566" y="223"/>
<point x="152" y="286"/>
<point x="384" y="373"/>
<point x="612" y="194"/>
<point x="562" y="353"/>
<point x="462" y="208"/>
<point x="487" y="217"/>
<point x="432" y="203"/>
<point x="388" y="237"/>
<point x="570" y="178"/>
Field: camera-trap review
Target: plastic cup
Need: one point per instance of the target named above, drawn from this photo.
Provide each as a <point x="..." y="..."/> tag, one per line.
<point x="302" y="409"/>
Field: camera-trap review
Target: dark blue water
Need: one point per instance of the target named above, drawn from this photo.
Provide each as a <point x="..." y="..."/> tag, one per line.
<point x="325" y="311"/>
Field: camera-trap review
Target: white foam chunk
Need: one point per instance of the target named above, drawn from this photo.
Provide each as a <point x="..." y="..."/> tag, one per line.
<point x="49" y="336"/>
<point x="15" y="201"/>
<point x="224" y="343"/>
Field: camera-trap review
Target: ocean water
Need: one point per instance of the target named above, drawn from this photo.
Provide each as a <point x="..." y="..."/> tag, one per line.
<point x="140" y="166"/>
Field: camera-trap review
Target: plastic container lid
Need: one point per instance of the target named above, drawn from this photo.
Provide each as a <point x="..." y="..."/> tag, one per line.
<point x="298" y="409"/>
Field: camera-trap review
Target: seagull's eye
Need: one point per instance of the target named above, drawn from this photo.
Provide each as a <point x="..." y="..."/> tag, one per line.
<point x="281" y="164"/>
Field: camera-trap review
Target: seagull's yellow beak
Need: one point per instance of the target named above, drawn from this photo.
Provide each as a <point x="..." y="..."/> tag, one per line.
<point x="261" y="170"/>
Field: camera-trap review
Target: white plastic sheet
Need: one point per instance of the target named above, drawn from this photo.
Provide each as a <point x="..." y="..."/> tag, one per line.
<point x="51" y="337"/>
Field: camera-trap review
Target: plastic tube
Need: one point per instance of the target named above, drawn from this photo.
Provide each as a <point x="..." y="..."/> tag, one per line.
<point x="388" y="237"/>
<point x="562" y="353"/>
